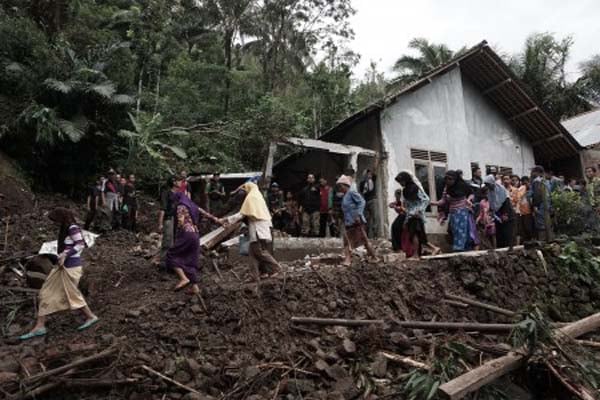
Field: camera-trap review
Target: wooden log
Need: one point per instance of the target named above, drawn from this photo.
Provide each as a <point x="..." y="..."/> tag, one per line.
<point x="166" y="378"/>
<point x="469" y="382"/>
<point x="212" y="239"/>
<point x="455" y="326"/>
<point x="474" y="253"/>
<point x="479" y="304"/>
<point x="335" y="321"/>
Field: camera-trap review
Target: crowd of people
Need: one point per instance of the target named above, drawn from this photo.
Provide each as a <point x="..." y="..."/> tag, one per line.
<point x="485" y="212"/>
<point x="112" y="202"/>
<point x="316" y="210"/>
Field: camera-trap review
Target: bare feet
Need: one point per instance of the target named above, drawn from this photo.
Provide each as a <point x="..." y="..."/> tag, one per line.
<point x="195" y="289"/>
<point x="182" y="284"/>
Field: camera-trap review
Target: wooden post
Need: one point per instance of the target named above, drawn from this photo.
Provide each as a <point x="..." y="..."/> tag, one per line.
<point x="490" y="371"/>
<point x="268" y="173"/>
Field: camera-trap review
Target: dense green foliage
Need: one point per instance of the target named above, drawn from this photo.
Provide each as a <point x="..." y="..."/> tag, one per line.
<point x="152" y="86"/>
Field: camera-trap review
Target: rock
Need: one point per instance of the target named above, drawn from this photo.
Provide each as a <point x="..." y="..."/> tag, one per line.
<point x="196" y="309"/>
<point x="6" y="377"/>
<point x="300" y="385"/>
<point x="336" y="372"/>
<point x="170" y="367"/>
<point x="14" y="330"/>
<point x="9" y="364"/>
<point x="133" y="313"/>
<point x="107" y="338"/>
<point x="144" y="358"/>
<point x="347" y="388"/>
<point x="379" y="366"/>
<point x="197" y="396"/>
<point x="251" y="372"/>
<point x="182" y="376"/>
<point x="348" y="347"/>
<point x="399" y="339"/>
<point x="208" y="369"/>
<point x="321" y="365"/>
<point x="192" y="366"/>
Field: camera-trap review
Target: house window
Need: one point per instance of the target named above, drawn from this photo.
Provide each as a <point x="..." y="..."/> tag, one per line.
<point x="430" y="170"/>
<point x="505" y="171"/>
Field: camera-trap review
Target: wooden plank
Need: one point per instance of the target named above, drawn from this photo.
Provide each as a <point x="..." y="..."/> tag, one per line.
<point x="471" y="381"/>
<point x="474" y="253"/>
<point x="215" y="237"/>
<point x="524" y="113"/>
<point x="496" y="86"/>
<point x="328" y="146"/>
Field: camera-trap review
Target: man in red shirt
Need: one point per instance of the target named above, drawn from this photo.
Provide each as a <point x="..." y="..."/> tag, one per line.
<point x="325" y="208"/>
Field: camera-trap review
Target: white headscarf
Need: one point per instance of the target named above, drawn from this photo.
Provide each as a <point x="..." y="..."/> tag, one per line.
<point x="496" y="196"/>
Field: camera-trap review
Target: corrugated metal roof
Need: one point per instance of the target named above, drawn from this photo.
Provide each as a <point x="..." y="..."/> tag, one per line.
<point x="482" y="66"/>
<point x="585" y="128"/>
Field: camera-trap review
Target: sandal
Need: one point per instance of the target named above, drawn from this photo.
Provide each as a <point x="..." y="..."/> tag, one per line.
<point x="34" y="334"/>
<point x="88" y="323"/>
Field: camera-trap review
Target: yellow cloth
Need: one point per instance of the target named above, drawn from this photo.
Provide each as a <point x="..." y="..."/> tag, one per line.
<point x="254" y="205"/>
<point x="60" y="291"/>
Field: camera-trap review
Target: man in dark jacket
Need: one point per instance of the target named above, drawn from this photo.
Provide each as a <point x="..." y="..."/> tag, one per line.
<point x="310" y="203"/>
<point x="368" y="191"/>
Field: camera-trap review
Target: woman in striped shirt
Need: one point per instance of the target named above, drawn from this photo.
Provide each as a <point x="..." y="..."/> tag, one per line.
<point x="60" y="291"/>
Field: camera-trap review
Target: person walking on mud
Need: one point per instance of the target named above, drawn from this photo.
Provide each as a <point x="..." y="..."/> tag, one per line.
<point x="182" y="256"/>
<point x="353" y="207"/>
<point x="60" y="291"/>
<point x="95" y="200"/>
<point x="258" y="218"/>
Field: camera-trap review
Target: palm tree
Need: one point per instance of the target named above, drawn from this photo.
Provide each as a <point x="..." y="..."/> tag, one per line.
<point x="430" y="56"/>
<point x="541" y="66"/>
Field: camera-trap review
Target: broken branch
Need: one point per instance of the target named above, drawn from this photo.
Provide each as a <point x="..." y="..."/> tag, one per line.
<point x="335" y="321"/>
<point x="479" y="304"/>
<point x="166" y="378"/>
<point x="404" y="360"/>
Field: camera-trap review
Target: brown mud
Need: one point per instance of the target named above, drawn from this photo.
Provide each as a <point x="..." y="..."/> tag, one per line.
<point x="242" y="346"/>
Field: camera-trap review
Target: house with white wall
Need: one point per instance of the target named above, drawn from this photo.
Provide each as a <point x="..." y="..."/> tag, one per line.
<point x="470" y="112"/>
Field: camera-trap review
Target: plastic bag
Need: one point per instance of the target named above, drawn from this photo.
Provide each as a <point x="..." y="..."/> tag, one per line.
<point x="244" y="245"/>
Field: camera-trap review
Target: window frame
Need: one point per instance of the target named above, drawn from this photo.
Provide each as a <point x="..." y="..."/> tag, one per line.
<point x="431" y="180"/>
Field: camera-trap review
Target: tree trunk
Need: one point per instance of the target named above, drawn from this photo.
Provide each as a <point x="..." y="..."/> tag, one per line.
<point x="228" y="46"/>
<point x="139" y="93"/>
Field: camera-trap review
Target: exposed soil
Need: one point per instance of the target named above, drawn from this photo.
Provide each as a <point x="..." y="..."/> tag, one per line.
<point x="243" y="346"/>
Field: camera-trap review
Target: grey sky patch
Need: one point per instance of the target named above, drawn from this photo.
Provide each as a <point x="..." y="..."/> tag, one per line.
<point x="384" y="27"/>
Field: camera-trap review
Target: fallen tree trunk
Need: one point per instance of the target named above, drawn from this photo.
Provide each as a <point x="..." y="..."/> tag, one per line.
<point x="335" y="321"/>
<point x="479" y="304"/>
<point x="212" y="239"/>
<point x="492" y="370"/>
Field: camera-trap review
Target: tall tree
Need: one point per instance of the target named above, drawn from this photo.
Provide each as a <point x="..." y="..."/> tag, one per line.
<point x="429" y="56"/>
<point x="541" y="66"/>
<point x="590" y="79"/>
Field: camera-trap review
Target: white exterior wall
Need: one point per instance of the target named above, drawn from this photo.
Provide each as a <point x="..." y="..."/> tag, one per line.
<point x="449" y="115"/>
